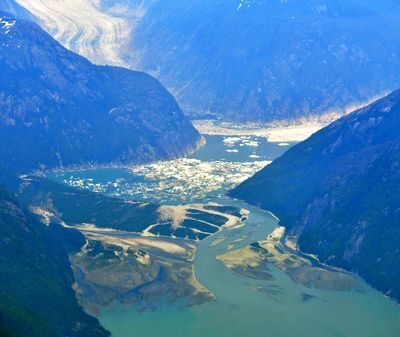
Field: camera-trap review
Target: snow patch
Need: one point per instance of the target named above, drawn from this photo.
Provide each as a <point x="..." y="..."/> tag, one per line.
<point x="6" y="25"/>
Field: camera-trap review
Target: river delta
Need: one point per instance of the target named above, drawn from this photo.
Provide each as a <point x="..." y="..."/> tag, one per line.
<point x="245" y="278"/>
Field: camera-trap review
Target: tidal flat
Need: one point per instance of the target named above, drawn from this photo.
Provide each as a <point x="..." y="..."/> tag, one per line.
<point x="254" y="260"/>
<point x="247" y="306"/>
<point x="135" y="253"/>
<point x="123" y="269"/>
<point x="284" y="291"/>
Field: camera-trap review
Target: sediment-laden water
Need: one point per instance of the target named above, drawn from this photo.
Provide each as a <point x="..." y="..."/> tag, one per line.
<point x="244" y="307"/>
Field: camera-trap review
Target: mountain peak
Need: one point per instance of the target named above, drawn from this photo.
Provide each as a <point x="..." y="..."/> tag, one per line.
<point x="62" y="110"/>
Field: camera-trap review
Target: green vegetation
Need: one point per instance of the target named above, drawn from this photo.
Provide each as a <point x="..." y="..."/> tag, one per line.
<point x="338" y="193"/>
<point x="36" y="279"/>
<point x="60" y="110"/>
<point x="76" y="206"/>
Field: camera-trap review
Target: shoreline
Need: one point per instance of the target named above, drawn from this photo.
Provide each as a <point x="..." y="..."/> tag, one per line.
<point x="274" y="134"/>
<point x="201" y="142"/>
<point x="279" y="130"/>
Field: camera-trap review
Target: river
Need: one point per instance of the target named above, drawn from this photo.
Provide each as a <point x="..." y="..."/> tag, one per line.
<point x="244" y="307"/>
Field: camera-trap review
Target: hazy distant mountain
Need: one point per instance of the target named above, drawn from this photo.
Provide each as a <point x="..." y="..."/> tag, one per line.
<point x="36" y="295"/>
<point x="242" y="59"/>
<point x="269" y="59"/>
<point x="58" y="109"/>
<point x="338" y="192"/>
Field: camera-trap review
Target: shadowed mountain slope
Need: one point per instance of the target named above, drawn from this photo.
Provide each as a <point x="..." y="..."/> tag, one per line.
<point x="58" y="109"/>
<point x="36" y="296"/>
<point x="338" y="193"/>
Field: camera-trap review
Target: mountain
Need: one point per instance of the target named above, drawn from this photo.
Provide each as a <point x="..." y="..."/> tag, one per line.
<point x="36" y="295"/>
<point x="243" y="60"/>
<point x="267" y="60"/>
<point x="337" y="192"/>
<point x="60" y="110"/>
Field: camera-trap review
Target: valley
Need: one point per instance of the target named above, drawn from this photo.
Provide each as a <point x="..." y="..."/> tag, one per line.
<point x="241" y="181"/>
<point x="283" y="132"/>
<point x="298" y="66"/>
<point x="336" y="179"/>
<point x="187" y="286"/>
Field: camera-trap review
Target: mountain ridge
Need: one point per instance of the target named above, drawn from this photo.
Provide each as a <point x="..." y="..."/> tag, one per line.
<point x="60" y="110"/>
<point x="336" y="192"/>
<point x="257" y="61"/>
<point x="269" y="60"/>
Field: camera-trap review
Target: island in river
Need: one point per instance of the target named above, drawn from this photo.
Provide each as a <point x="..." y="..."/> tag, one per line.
<point x="244" y="279"/>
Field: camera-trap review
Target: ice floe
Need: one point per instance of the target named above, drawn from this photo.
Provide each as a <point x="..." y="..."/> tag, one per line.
<point x="179" y="180"/>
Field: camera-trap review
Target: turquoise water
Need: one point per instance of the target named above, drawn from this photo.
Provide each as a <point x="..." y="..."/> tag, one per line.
<point x="241" y="311"/>
<point x="253" y="308"/>
<point x="224" y="159"/>
<point x="215" y="149"/>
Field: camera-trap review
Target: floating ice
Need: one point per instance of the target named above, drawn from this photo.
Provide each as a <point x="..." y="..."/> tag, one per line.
<point x="232" y="139"/>
<point x="179" y="180"/>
